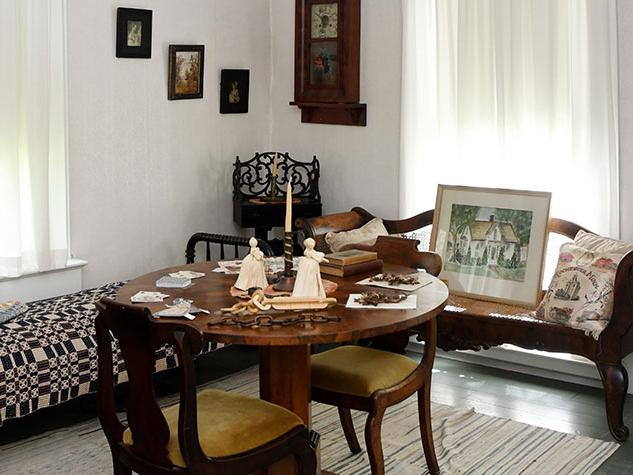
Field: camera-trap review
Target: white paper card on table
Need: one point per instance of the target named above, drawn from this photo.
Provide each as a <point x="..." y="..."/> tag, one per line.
<point x="409" y="303"/>
<point x="423" y="279"/>
<point x="145" y="296"/>
<point x="173" y="282"/>
<point x="181" y="310"/>
<point x="187" y="274"/>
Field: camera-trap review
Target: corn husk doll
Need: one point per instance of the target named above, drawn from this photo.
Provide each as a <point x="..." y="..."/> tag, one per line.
<point x="253" y="269"/>
<point x="308" y="282"/>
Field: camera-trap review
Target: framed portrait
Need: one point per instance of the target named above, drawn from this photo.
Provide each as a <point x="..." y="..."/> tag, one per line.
<point x="492" y="242"/>
<point x="186" y="72"/>
<point x="234" y="84"/>
<point x="133" y="33"/>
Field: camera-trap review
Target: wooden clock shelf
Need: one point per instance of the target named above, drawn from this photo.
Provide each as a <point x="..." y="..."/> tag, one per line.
<point x="338" y="113"/>
<point x="327" y="62"/>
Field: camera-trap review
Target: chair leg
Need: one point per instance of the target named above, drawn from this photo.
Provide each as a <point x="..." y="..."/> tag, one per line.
<point x="307" y="462"/>
<point x="373" y="442"/>
<point x="348" y="429"/>
<point x="426" y="431"/>
<point x="615" y="381"/>
<point x="118" y="468"/>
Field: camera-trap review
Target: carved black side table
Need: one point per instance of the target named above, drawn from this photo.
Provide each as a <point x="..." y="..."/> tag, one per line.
<point x="259" y="196"/>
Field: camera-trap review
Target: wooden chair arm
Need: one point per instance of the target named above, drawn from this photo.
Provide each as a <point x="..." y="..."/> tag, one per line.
<point x="314" y="227"/>
<point x="399" y="226"/>
<point x="621" y="322"/>
<point x="565" y="228"/>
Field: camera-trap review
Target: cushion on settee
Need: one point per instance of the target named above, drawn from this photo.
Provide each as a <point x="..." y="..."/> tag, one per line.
<point x="580" y="294"/>
<point x="367" y="234"/>
<point x="595" y="243"/>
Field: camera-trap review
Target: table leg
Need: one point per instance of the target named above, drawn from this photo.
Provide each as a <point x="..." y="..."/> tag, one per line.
<point x="284" y="379"/>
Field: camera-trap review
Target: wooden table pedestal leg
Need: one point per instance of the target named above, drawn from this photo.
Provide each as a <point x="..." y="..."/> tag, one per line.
<point x="284" y="379"/>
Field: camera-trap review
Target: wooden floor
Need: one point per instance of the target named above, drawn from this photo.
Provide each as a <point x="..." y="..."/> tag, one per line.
<point x="555" y="405"/>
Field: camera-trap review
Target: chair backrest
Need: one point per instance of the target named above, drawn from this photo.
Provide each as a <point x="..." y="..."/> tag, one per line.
<point x="139" y="335"/>
<point x="236" y="242"/>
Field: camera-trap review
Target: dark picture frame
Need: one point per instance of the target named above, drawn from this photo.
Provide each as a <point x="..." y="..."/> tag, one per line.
<point x="133" y="33"/>
<point x="234" y="90"/>
<point x="186" y="72"/>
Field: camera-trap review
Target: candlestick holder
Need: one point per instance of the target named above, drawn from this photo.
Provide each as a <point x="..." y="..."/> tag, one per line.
<point x="274" y="190"/>
<point x="286" y="280"/>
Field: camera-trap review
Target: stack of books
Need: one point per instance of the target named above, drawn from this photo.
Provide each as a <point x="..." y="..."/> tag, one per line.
<point x="351" y="262"/>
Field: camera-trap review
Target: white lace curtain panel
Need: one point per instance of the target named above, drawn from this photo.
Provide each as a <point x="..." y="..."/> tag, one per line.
<point x="514" y="94"/>
<point x="33" y="216"/>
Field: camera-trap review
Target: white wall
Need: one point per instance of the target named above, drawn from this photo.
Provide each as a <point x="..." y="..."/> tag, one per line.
<point x="145" y="172"/>
<point x="359" y="164"/>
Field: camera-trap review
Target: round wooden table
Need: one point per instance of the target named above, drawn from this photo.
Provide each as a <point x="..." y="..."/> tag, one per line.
<point x="284" y="367"/>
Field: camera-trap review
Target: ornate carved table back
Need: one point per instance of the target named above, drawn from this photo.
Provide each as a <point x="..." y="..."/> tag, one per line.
<point x="258" y="199"/>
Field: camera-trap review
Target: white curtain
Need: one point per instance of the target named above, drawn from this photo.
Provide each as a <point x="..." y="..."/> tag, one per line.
<point x="514" y="94"/>
<point x="33" y="230"/>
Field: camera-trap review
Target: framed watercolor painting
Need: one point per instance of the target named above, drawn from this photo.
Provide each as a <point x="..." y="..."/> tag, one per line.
<point x="492" y="242"/>
<point x="234" y="85"/>
<point x="186" y="71"/>
<point x="133" y="33"/>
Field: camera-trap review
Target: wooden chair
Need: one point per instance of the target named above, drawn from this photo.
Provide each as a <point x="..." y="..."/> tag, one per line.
<point x="481" y="325"/>
<point x="371" y="379"/>
<point x="210" y="432"/>
<point x="223" y="240"/>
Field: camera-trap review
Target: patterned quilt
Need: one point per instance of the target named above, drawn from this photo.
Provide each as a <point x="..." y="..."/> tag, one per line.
<point x="49" y="354"/>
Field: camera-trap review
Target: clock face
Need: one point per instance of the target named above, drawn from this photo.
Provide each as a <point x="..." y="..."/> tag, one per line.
<point x="325" y="20"/>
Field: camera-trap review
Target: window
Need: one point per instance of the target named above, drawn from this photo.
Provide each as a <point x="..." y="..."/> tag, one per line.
<point x="519" y="94"/>
<point x="33" y="209"/>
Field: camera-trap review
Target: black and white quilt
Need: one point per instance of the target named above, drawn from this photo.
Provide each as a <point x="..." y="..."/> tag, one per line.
<point x="49" y="354"/>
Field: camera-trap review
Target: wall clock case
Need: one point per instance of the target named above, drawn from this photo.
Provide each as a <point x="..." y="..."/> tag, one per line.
<point x="327" y="62"/>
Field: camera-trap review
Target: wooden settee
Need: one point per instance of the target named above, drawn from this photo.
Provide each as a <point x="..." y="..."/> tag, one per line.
<point x="468" y="324"/>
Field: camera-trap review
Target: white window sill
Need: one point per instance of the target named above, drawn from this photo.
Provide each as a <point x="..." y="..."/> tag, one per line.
<point x="43" y="285"/>
<point x="71" y="263"/>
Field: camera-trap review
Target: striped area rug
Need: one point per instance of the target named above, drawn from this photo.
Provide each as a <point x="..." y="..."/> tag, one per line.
<point x="466" y="443"/>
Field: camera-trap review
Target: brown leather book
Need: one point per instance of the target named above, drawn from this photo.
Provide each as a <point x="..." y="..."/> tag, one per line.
<point x="349" y="257"/>
<point x="353" y="269"/>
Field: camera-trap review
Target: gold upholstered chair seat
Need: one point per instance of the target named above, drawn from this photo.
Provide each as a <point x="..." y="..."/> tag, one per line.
<point x="228" y="424"/>
<point x="358" y="370"/>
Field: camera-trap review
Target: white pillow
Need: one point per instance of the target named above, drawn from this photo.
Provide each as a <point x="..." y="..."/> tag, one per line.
<point x="366" y="234"/>
<point x="595" y="243"/>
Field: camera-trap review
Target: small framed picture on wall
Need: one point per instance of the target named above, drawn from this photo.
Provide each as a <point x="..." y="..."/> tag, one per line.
<point x="186" y="72"/>
<point x="234" y="84"/>
<point x="133" y="33"/>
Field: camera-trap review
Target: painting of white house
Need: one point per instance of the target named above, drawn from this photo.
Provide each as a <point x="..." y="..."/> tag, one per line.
<point x="488" y="242"/>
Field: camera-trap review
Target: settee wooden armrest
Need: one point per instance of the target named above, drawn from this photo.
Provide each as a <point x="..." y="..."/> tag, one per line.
<point x="468" y="324"/>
